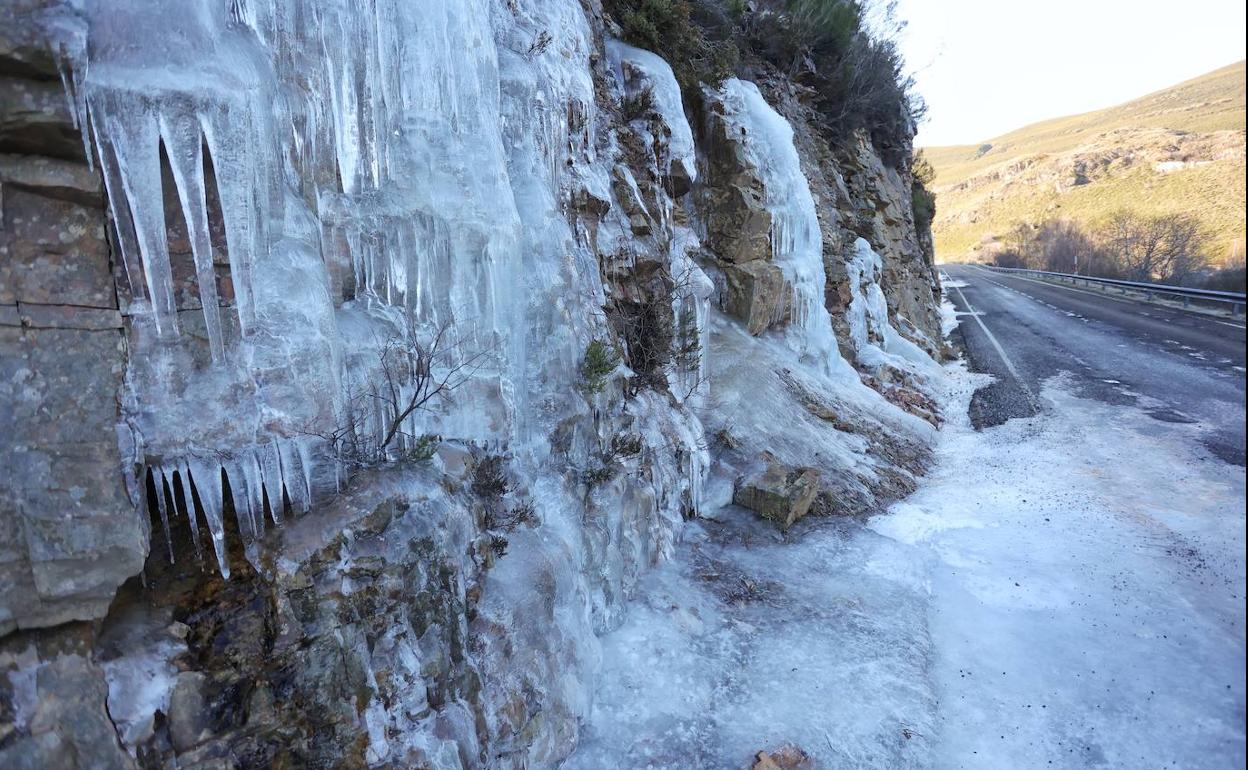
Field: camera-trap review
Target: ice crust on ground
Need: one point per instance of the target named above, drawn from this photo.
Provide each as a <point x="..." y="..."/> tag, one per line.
<point x="1033" y="604"/>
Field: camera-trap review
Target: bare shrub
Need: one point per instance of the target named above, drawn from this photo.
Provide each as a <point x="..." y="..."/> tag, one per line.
<point x="1168" y="247"/>
<point x="489" y="477"/>
<point x="411" y="374"/>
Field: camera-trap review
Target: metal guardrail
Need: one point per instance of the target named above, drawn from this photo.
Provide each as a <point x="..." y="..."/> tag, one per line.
<point x="1235" y="299"/>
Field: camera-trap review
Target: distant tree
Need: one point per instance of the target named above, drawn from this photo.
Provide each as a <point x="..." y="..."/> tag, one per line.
<point x="1022" y="243"/>
<point x="1231" y="276"/>
<point x="1064" y="247"/>
<point x="1185" y="248"/>
<point x="1167" y="247"/>
<point x="1009" y="258"/>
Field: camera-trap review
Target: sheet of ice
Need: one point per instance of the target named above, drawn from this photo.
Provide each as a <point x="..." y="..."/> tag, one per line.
<point x="649" y="72"/>
<point x="1087" y="599"/>
<point x="796" y="240"/>
<point x="1035" y="604"/>
<point x="749" y="641"/>
<point x="137" y="656"/>
<point x="876" y="341"/>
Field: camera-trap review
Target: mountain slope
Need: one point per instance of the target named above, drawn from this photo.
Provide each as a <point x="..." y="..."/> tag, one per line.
<point x="1177" y="150"/>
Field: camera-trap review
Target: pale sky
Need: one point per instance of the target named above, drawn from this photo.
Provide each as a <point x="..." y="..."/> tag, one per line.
<point x="986" y="67"/>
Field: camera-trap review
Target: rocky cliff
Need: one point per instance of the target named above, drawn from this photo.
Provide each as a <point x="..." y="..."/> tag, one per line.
<point x="357" y="361"/>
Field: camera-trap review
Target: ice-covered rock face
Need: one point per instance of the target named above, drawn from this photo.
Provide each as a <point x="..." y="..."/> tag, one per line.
<point x="292" y="184"/>
<point x="381" y="174"/>
<point x="876" y="342"/>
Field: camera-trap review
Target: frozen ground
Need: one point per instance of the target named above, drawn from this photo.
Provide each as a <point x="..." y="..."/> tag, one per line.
<point x="1065" y="590"/>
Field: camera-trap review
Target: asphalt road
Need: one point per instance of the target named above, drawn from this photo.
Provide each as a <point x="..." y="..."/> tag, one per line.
<point x="1174" y="365"/>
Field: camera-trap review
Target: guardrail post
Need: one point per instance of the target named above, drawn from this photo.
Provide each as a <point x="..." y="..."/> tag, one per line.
<point x="1187" y="301"/>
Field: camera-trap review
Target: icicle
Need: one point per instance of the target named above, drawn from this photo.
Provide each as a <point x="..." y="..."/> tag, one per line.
<point x="255" y="492"/>
<point x="188" y="501"/>
<point x="271" y="471"/>
<point x="123" y="225"/>
<point x="304" y="447"/>
<point x="207" y="478"/>
<point x="300" y="496"/>
<point x="158" y="482"/>
<point x="242" y="501"/>
<point x="228" y="139"/>
<point x="71" y="81"/>
<point x="131" y="127"/>
<point x="184" y="146"/>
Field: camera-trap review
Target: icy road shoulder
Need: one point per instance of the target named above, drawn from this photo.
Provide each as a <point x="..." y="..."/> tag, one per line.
<point x="1063" y="591"/>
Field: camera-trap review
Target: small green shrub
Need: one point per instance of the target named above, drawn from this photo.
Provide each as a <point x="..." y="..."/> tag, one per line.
<point x="626" y="445"/>
<point x="498" y="544"/>
<point x="507" y="520"/>
<point x="423" y="448"/>
<point x="667" y="27"/>
<point x="600" y="360"/>
<point x="637" y="105"/>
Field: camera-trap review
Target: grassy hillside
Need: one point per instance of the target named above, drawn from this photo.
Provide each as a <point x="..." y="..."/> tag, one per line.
<point x="1176" y="150"/>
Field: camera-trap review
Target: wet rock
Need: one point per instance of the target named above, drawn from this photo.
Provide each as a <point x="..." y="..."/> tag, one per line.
<point x="52" y="711"/>
<point x="189" y="721"/>
<point x="780" y="493"/>
<point x="738" y="224"/>
<point x="629" y="194"/>
<point x="757" y="294"/>
<point x="788" y="757"/>
<point x="53" y="250"/>
<point x="69" y="535"/>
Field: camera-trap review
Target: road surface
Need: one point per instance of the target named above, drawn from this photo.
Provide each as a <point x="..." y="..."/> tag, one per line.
<point x="1175" y="365"/>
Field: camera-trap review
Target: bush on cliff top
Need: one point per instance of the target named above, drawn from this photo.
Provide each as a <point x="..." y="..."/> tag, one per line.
<point x="851" y="65"/>
<point x="667" y="27"/>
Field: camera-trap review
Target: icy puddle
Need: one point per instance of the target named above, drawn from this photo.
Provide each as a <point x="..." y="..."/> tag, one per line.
<point x="1063" y="591"/>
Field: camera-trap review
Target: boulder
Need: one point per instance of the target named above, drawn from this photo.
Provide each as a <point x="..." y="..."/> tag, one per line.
<point x="757" y="294"/>
<point x="189" y="720"/>
<point x="787" y="757"/>
<point x="781" y="492"/>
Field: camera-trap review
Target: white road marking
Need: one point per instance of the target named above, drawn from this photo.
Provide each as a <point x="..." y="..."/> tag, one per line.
<point x="1005" y="359"/>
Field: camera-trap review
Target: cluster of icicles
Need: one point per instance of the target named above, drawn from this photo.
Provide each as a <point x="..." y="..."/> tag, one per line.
<point x="260" y="479"/>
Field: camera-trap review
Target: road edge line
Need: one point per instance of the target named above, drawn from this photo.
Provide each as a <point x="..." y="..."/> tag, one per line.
<point x="996" y="344"/>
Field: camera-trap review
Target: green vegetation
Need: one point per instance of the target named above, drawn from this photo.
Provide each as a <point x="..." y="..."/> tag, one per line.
<point x="854" y="74"/>
<point x="1179" y="151"/>
<point x="922" y="199"/>
<point x="667" y="27"/>
<point x="600" y="360"/>
<point x="857" y="74"/>
<point x="423" y="448"/>
<point x="489" y="476"/>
